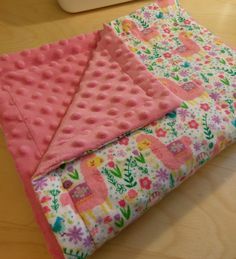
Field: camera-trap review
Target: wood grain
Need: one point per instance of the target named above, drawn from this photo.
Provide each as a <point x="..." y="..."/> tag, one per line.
<point x="196" y="221"/>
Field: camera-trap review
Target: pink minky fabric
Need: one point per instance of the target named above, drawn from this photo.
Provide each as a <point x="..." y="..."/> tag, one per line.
<point x="62" y="100"/>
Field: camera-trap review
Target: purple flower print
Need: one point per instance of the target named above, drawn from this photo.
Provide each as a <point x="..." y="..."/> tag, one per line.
<point x="162" y="175"/>
<point x="216" y="119"/>
<point x="217" y="84"/>
<point x="135" y="152"/>
<point x="143" y="57"/>
<point x="75" y="234"/>
<point x="213" y="126"/>
<point x="121" y="153"/>
<point x="197" y="146"/>
<point x="88" y="241"/>
<point x="100" y="220"/>
<point x="70" y="167"/>
<point x="184" y="73"/>
<point x="212" y="53"/>
<point x="156" y="186"/>
<point x="117" y="217"/>
<point x="215" y="96"/>
<point x="39" y="184"/>
<point x="146" y="15"/>
<point x="197" y="68"/>
<point x="183" y="113"/>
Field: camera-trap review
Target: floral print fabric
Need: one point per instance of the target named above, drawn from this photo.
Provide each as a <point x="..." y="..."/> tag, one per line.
<point x="89" y="200"/>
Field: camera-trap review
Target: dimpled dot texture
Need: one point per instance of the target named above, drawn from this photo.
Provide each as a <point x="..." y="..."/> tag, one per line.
<point x="36" y="88"/>
<point x="64" y="99"/>
<point x="112" y="99"/>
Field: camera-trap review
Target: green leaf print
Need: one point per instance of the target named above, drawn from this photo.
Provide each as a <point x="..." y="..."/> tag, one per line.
<point x="140" y="20"/>
<point x="206" y="80"/>
<point x="76" y="255"/>
<point x="184" y="106"/>
<point x="171" y="124"/>
<point x="129" y="179"/>
<point x="117" y="28"/>
<point x="231" y="105"/>
<point x="175" y="69"/>
<point x="120" y="188"/>
<point x="225" y="81"/>
<point x="140" y="158"/>
<point x="222" y="61"/>
<point x="116" y="172"/>
<point x="74" y="175"/>
<point x="148" y="131"/>
<point x="172" y="181"/>
<point x="199" y="39"/>
<point x="207" y="131"/>
<point x="176" y="77"/>
<point x="150" y="68"/>
<point x="126" y="212"/>
<point x="147" y="51"/>
<point x="55" y="204"/>
<point x="120" y="223"/>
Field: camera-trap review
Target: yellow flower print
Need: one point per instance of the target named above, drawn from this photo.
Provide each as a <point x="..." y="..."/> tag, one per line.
<point x="144" y="144"/>
<point x="95" y="162"/>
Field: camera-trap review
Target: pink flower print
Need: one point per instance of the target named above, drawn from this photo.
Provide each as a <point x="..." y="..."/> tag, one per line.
<point x="160" y="133"/>
<point x="94" y="231"/>
<point x="193" y="124"/>
<point x="207" y="47"/>
<point x="224" y="105"/>
<point x="107" y="219"/>
<point x="205" y="106"/>
<point x="145" y="183"/>
<point x="187" y="22"/>
<point x="167" y="55"/>
<point x="122" y="203"/>
<point x="159" y="60"/>
<point x="110" y="230"/>
<point x="166" y="30"/>
<point x="124" y="141"/>
<point x="75" y="234"/>
<point x="111" y="164"/>
<point x="132" y="194"/>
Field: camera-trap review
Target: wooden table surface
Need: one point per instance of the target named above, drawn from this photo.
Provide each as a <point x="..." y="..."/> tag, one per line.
<point x="196" y="221"/>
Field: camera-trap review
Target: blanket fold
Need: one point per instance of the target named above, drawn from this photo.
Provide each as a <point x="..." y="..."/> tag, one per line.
<point x="102" y="126"/>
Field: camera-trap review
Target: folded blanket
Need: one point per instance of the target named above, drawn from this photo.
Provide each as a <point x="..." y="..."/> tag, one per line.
<point x="65" y="108"/>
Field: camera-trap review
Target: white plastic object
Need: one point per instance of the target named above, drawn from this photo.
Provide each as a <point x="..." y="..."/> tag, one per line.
<point x="74" y="6"/>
